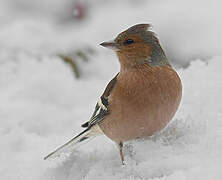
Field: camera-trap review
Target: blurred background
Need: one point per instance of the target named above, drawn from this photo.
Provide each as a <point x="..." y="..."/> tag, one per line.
<point x="187" y="30"/>
<point x="52" y="71"/>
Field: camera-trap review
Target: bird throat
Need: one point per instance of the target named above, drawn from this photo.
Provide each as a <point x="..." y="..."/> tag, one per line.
<point x="156" y="58"/>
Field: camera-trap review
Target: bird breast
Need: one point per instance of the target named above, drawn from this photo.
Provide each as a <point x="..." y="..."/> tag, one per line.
<point x="142" y="102"/>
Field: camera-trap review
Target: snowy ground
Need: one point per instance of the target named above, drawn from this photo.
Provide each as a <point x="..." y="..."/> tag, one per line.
<point x="42" y="104"/>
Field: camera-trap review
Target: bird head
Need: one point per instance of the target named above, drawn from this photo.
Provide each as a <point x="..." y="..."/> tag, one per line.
<point x="137" y="45"/>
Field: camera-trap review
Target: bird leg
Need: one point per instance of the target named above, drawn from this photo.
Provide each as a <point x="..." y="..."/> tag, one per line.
<point x="120" y="145"/>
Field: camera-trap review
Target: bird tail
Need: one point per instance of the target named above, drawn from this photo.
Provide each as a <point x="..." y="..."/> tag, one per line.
<point x="89" y="133"/>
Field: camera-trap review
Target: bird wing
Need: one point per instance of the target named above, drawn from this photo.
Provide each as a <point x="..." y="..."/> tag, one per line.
<point x="102" y="106"/>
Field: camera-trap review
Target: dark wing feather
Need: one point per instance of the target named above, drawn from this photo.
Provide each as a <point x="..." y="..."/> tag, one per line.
<point x="102" y="106"/>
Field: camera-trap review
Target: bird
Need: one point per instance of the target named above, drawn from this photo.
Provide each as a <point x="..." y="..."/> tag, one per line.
<point x="140" y="100"/>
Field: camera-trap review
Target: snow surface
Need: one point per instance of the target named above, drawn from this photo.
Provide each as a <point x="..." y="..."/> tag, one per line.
<point x="42" y="104"/>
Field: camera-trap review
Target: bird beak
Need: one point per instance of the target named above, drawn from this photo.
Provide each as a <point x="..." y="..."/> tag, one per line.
<point x="111" y="45"/>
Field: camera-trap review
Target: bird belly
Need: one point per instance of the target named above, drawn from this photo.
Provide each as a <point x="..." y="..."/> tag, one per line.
<point x="131" y="125"/>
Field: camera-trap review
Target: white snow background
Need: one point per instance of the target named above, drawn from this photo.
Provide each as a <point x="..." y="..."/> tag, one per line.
<point x="43" y="105"/>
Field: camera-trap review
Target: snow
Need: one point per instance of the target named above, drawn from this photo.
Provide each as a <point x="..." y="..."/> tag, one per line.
<point x="43" y="104"/>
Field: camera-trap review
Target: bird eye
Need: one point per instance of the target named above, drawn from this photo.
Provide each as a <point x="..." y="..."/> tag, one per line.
<point x="128" y="41"/>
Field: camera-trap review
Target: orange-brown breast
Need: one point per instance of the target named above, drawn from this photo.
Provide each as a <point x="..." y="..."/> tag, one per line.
<point x="142" y="102"/>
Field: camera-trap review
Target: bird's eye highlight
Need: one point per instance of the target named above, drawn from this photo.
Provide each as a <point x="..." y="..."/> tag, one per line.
<point x="128" y="41"/>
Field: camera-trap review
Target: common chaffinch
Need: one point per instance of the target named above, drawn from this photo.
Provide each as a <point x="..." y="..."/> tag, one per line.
<point x="141" y="99"/>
